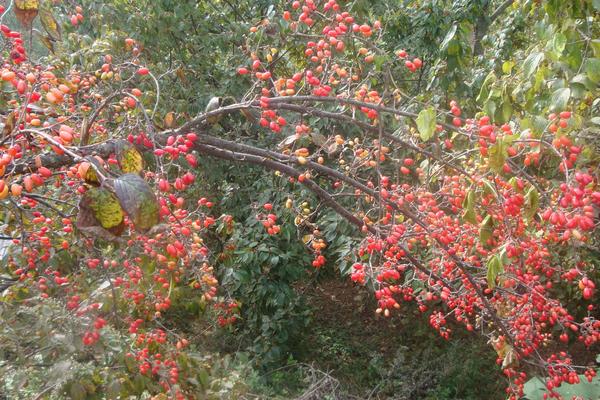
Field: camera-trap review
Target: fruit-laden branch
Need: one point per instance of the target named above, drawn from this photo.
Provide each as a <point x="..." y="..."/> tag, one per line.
<point x="272" y="102"/>
<point x="353" y="102"/>
<point x="239" y="152"/>
<point x="265" y="161"/>
<point x="369" y="128"/>
<point x="228" y="150"/>
<point x="254" y="155"/>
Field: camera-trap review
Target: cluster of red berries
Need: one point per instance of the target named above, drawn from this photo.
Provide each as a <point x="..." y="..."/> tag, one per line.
<point x="18" y="53"/>
<point x="269" y="221"/>
<point x="413" y="64"/>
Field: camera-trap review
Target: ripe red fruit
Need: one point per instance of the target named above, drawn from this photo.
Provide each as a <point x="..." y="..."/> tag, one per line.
<point x="457" y="122"/>
<point x="564" y="338"/>
<point x="243" y="71"/>
<point x="45" y="172"/>
<point x="171" y="250"/>
<point x="143" y="71"/>
<point x="486" y="130"/>
<point x="417" y="63"/>
<point x="22" y="86"/>
<point x="565" y="114"/>
<point x="191" y="159"/>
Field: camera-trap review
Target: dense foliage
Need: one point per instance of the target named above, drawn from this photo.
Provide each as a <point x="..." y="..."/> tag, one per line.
<point x="172" y="169"/>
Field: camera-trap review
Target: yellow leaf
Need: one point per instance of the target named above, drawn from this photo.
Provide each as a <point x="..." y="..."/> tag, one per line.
<point x="130" y="160"/>
<point x="26" y="11"/>
<point x="181" y="75"/>
<point x="49" y="23"/>
<point x="27" y="4"/>
<point x="510" y="357"/>
<point x="88" y="173"/>
<point x="169" y="119"/>
<point x="46" y="40"/>
<point x="9" y="125"/>
<point x="106" y="207"/>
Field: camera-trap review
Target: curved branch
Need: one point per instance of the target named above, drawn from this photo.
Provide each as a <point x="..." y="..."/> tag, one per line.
<point x="353" y="102"/>
<point x="273" y="160"/>
<point x="260" y="157"/>
<point x="500" y="10"/>
<point x="312" y="186"/>
<point x="386" y="134"/>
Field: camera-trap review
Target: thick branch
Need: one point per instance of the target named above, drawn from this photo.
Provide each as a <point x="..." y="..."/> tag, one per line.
<point x="272" y="160"/>
<point x="312" y="186"/>
<point x="500" y="10"/>
<point x="357" y="103"/>
<point x="386" y="134"/>
<point x="261" y="158"/>
<point x="277" y="166"/>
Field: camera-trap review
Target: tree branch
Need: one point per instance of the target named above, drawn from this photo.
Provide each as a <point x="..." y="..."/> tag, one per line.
<point x="500" y="10"/>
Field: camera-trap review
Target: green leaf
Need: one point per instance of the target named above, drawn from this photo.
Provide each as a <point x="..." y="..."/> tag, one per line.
<point x="497" y="156"/>
<point x="558" y="43"/>
<point x="489" y="108"/>
<point x="138" y="200"/>
<point x="560" y="99"/>
<point x="484" y="93"/>
<point x="505" y="112"/>
<point x="469" y="207"/>
<point x="538" y="126"/>
<point x="486" y="230"/>
<point x="448" y="38"/>
<point x="507" y="67"/>
<point x="535" y="388"/>
<point x="488" y="188"/>
<point x="539" y="79"/>
<point x="532" y="203"/>
<point x="592" y="69"/>
<point x="494" y="268"/>
<point x="595" y="43"/>
<point x="426" y="123"/>
<point x="583" y="80"/>
<point x="531" y="64"/>
<point x="203" y="377"/>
